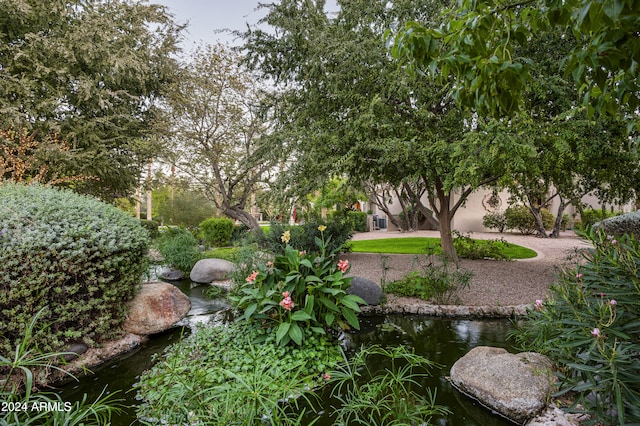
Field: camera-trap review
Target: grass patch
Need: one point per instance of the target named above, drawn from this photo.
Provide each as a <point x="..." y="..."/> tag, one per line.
<point x="419" y="245"/>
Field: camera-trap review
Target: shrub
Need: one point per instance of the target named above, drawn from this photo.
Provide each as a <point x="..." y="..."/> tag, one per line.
<point x="303" y="237"/>
<point x="357" y="221"/>
<point x="152" y="227"/>
<point x="589" y="327"/>
<point x="216" y="232"/>
<point x="495" y="220"/>
<point x="521" y="219"/>
<point x="179" y="248"/>
<point x="436" y="281"/>
<point x="298" y="292"/>
<point x="76" y="258"/>
<point x="628" y="223"/>
<point x="590" y="217"/>
<point x="222" y="376"/>
<point x="468" y="248"/>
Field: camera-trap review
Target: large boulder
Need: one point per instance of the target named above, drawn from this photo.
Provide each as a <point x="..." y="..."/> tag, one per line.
<point x="157" y="307"/>
<point x="206" y="271"/>
<point x="369" y="291"/>
<point x="515" y="385"/>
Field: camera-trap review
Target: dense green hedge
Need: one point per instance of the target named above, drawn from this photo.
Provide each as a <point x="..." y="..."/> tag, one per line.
<point x="521" y="219"/>
<point x="78" y="258"/>
<point x="216" y="232"/>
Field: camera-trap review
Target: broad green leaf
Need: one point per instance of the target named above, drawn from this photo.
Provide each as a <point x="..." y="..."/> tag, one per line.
<point x="250" y="310"/>
<point x="295" y="332"/>
<point x="351" y="318"/>
<point x="282" y="331"/>
<point x="300" y="316"/>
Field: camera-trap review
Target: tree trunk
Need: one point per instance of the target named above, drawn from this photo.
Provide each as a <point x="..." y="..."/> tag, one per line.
<point x="558" y="222"/>
<point x="446" y="239"/>
<point x="241" y="216"/>
<point x="537" y="217"/>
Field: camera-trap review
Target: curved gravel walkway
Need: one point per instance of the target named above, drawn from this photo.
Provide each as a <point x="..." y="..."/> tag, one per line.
<point x="497" y="288"/>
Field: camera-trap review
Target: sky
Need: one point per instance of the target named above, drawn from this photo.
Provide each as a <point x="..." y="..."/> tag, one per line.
<point x="207" y="16"/>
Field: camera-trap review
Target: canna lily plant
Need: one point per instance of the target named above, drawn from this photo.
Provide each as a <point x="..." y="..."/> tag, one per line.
<point x="300" y="293"/>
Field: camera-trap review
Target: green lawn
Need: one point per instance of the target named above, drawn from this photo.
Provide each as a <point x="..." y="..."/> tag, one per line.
<point x="418" y="245"/>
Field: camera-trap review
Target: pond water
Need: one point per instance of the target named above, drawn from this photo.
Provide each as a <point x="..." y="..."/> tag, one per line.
<point x="441" y="340"/>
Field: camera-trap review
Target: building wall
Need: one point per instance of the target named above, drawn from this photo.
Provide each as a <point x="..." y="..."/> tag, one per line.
<point x="469" y="216"/>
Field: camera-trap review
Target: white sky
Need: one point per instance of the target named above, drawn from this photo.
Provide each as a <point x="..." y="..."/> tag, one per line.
<point x="207" y="16"/>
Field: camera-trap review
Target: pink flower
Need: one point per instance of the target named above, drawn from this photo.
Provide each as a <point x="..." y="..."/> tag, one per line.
<point x="613" y="302"/>
<point x="287" y="303"/>
<point x="252" y="277"/>
<point x="614" y="241"/>
<point x="539" y="304"/>
<point x="326" y="376"/>
<point x="343" y="265"/>
<point x="578" y="275"/>
<point x="269" y="264"/>
<point x="595" y="332"/>
<point x="303" y="252"/>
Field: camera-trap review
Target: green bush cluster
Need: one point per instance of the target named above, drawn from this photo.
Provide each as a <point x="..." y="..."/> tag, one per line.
<point x="628" y="223"/>
<point x="589" y="217"/>
<point x="495" y="220"/>
<point x="590" y="327"/>
<point x="77" y="259"/>
<point x="303" y="237"/>
<point x="216" y="232"/>
<point x="437" y="280"/>
<point x="152" y="227"/>
<point x="357" y="220"/>
<point x="468" y="248"/>
<point x="521" y="219"/>
<point x="179" y="248"/>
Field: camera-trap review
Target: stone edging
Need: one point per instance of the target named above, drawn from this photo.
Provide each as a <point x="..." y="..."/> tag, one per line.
<point x="411" y="307"/>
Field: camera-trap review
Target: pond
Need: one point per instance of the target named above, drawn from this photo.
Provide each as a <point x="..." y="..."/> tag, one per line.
<point x="440" y="340"/>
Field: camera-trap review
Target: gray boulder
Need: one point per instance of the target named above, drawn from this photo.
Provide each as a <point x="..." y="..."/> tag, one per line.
<point x="206" y="271"/>
<point x="171" y="274"/>
<point x="369" y="291"/>
<point x="157" y="307"/>
<point x="515" y="385"/>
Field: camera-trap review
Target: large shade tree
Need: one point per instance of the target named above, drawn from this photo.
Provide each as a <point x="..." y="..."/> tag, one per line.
<point x="90" y="72"/>
<point x="218" y="132"/>
<point x="345" y="107"/>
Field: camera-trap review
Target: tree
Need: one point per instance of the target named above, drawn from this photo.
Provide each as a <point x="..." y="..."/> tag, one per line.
<point x="217" y="130"/>
<point x="476" y="43"/>
<point x="345" y="107"/>
<point x="90" y="72"/>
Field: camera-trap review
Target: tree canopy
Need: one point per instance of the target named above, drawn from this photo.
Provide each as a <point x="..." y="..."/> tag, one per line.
<point x="476" y="43"/>
<point x="90" y="72"/>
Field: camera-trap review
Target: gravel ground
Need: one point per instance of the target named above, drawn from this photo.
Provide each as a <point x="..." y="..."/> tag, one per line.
<point x="494" y="283"/>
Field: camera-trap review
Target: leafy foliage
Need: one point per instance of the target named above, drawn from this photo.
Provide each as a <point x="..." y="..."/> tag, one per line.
<point x="179" y="248"/>
<point x="628" y="223"/>
<point x="521" y="219"/>
<point x="77" y="258"/>
<point x="468" y="248"/>
<point x="436" y="281"/>
<point x="476" y="43"/>
<point x="216" y="232"/>
<point x="222" y="376"/>
<point x="590" y="328"/>
<point x="389" y="396"/>
<point x="299" y="292"/>
<point x="588" y="217"/>
<point x="91" y="72"/>
<point x="495" y="220"/>
<point x="304" y="236"/>
<point x="18" y="372"/>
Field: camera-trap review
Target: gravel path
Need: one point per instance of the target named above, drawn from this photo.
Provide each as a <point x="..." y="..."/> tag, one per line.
<point x="494" y="283"/>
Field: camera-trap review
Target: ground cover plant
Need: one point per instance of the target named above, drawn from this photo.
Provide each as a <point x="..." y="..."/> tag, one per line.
<point x="179" y="248"/>
<point x="234" y="375"/>
<point x="20" y="406"/>
<point x="74" y="258"/>
<point x="422" y="245"/>
<point x="590" y="327"/>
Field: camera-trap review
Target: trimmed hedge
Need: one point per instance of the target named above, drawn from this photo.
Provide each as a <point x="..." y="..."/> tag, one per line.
<point x="78" y="258"/>
<point x="628" y="223"/>
<point x="216" y="232"/>
<point x="521" y="219"/>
